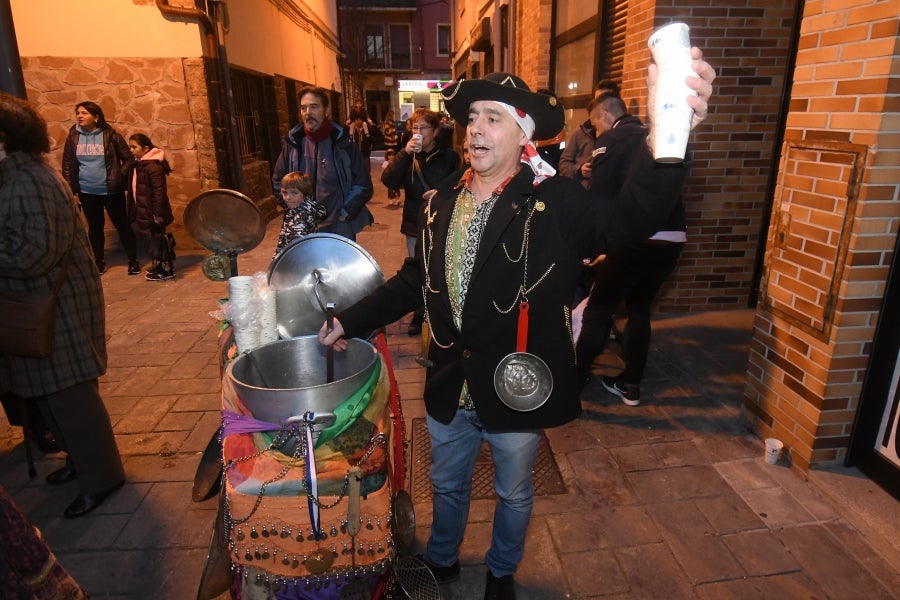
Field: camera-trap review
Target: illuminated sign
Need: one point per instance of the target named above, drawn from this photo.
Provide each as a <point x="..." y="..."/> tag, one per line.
<point x="420" y="85"/>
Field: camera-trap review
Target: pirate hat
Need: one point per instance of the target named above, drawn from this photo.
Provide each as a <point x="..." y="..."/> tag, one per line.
<point x="545" y="110"/>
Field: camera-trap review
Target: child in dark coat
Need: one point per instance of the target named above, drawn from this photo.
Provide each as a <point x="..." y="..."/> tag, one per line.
<point x="148" y="204"/>
<point x="302" y="212"/>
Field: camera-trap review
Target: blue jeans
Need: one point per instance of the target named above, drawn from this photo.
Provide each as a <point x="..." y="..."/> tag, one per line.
<point x="454" y="449"/>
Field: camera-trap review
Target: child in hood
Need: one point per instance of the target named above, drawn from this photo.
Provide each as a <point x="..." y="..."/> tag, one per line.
<point x="302" y="212"/>
<point x="148" y="204"/>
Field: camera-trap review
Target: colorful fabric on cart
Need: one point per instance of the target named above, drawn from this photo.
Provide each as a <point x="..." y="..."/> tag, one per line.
<point x="333" y="458"/>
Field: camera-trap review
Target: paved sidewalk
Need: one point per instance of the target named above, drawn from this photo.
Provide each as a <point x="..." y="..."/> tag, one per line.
<point x="670" y="499"/>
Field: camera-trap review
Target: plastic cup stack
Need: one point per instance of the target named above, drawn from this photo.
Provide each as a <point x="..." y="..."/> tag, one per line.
<point x="268" y="319"/>
<point x="242" y="312"/>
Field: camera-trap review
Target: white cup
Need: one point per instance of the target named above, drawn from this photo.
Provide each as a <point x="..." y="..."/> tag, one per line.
<point x="268" y="319"/>
<point x="773" y="450"/>
<point x="671" y="48"/>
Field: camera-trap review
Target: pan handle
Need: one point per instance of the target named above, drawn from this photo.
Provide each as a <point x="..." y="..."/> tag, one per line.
<point x="318" y="277"/>
<point x="329" y="352"/>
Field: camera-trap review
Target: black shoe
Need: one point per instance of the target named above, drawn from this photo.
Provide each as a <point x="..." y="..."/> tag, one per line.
<point x="161" y="275"/>
<point x="499" y="588"/>
<point x="628" y="392"/>
<point x="63" y="475"/>
<point x="442" y="574"/>
<point x="134" y="267"/>
<point x="85" y="503"/>
<point x="101" y="266"/>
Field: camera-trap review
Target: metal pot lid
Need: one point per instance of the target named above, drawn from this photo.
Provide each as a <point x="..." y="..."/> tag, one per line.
<point x="225" y="221"/>
<point x="317" y="270"/>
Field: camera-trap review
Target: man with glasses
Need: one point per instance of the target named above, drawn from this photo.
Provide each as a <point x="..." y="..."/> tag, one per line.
<point x="323" y="149"/>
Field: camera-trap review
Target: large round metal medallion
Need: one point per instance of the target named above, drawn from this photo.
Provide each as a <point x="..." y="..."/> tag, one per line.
<point x="523" y="381"/>
<point x="225" y="221"/>
<point x="216" y="267"/>
<point x="315" y="271"/>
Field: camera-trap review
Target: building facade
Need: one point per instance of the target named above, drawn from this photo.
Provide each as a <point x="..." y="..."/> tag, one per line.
<point x="794" y="198"/>
<point x="396" y="54"/>
<point x="213" y="84"/>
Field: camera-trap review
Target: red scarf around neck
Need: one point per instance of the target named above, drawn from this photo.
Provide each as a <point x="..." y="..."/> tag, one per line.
<point x="321" y="133"/>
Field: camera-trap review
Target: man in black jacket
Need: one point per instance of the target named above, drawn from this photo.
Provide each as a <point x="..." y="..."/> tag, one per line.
<point x="502" y="244"/>
<point x="634" y="272"/>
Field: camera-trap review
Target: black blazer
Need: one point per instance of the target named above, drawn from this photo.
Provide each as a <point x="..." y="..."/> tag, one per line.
<point x="562" y="224"/>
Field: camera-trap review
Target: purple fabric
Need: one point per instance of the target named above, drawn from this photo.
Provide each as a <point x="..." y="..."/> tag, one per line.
<point x="298" y="589"/>
<point x="233" y="422"/>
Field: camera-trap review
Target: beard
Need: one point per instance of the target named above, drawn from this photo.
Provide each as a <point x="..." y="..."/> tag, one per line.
<point x="311" y="124"/>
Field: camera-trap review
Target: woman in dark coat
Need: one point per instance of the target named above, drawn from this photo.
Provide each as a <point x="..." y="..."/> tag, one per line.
<point x="418" y="168"/>
<point x="95" y="162"/>
<point x="148" y="203"/>
<point x="40" y="224"/>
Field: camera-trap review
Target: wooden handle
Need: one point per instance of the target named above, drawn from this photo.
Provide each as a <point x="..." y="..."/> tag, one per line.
<point x="353" y="522"/>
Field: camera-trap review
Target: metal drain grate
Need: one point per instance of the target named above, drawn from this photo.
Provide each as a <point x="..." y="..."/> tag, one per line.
<point x="547" y="479"/>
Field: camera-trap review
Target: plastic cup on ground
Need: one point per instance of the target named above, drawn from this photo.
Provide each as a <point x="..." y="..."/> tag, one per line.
<point x="773" y="450"/>
<point x="672" y="115"/>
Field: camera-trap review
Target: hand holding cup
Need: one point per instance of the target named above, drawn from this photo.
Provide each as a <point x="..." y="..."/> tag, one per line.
<point x="672" y="115"/>
<point x="414" y="144"/>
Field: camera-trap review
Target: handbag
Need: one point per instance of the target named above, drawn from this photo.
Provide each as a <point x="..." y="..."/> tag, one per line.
<point x="26" y="328"/>
<point x="162" y="246"/>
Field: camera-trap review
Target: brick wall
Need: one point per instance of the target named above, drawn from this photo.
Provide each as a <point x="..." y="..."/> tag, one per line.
<point x="726" y="196"/>
<point x="834" y="226"/>
<point x="533" y="28"/>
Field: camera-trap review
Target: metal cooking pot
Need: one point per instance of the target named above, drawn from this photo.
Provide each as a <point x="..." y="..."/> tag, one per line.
<point x="287" y="378"/>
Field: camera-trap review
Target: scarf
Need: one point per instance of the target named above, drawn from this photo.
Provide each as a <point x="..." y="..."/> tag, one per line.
<point x="322" y="132"/>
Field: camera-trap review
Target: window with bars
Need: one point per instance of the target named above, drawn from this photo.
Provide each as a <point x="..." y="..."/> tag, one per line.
<point x="375" y="46"/>
<point x="391" y="51"/>
<point x="585" y="29"/>
<point x="249" y="100"/>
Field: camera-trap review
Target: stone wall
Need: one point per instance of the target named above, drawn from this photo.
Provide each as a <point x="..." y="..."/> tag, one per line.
<point x="166" y="99"/>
